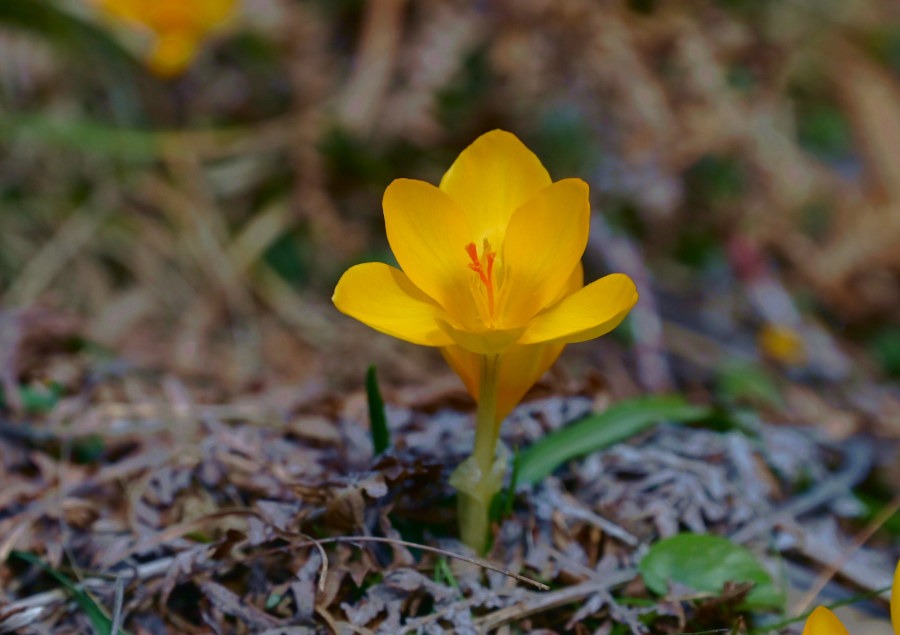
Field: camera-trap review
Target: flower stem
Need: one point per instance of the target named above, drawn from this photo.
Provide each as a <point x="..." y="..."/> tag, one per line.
<point x="480" y="477"/>
<point x="485" y="417"/>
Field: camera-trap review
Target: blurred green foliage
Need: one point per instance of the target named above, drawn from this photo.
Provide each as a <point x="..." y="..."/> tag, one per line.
<point x="95" y="46"/>
<point x="459" y="101"/>
<point x="716" y="180"/>
<point x="749" y="383"/>
<point x="37" y="398"/>
<point x="563" y="141"/>
<point x="885" y="347"/>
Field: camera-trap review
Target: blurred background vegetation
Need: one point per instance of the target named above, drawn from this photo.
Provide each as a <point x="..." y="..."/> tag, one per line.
<point x="742" y="157"/>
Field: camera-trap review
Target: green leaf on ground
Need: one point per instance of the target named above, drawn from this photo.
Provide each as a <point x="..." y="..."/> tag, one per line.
<point x="381" y="436"/>
<point x="705" y="563"/>
<point x="619" y="422"/>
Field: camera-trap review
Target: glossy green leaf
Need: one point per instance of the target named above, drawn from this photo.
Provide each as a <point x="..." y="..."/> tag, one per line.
<point x="705" y="563"/>
<point x="619" y="422"/>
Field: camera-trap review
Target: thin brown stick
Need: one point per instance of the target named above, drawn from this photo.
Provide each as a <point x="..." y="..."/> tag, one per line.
<point x="338" y="628"/>
<point x="547" y="601"/>
<point x="858" y="541"/>
<point x="27" y="610"/>
<point x="392" y="541"/>
<point x="323" y="569"/>
<point x="361" y="99"/>
<point x="857" y="462"/>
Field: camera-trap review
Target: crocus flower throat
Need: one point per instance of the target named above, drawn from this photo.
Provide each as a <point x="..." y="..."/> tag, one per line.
<point x="484" y="266"/>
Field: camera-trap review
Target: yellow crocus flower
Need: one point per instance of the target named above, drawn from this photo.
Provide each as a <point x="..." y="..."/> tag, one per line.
<point x="823" y="622"/>
<point x="490" y="273"/>
<point x="178" y="27"/>
<point x="490" y="264"/>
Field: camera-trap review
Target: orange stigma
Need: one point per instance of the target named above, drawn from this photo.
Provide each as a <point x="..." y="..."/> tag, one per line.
<point x="484" y="267"/>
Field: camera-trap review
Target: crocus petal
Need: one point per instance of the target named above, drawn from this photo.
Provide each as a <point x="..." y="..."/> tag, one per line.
<point x="573" y="284"/>
<point x="428" y="234"/>
<point x="895" y="601"/>
<point x="520" y="368"/>
<point x="590" y="312"/>
<point x="383" y="297"/>
<point x="544" y="242"/>
<point x="823" y="622"/>
<point x="466" y="364"/>
<point x="172" y="53"/>
<point x="490" y="180"/>
<point x="122" y="9"/>
<point x="211" y="13"/>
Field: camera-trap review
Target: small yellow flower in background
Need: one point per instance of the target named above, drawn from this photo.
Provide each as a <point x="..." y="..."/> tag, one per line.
<point x="490" y="273"/>
<point x="782" y="343"/>
<point x="178" y="27"/>
<point x="823" y="622"/>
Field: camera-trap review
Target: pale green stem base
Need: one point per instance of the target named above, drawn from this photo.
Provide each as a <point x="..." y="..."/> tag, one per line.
<point x="480" y="477"/>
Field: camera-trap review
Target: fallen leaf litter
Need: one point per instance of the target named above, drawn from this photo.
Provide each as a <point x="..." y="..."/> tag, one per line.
<point x="220" y="530"/>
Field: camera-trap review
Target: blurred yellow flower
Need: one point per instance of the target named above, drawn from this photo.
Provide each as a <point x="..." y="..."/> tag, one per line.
<point x="178" y="27"/>
<point x="490" y="266"/>
<point x="782" y="344"/>
<point x="823" y="622"/>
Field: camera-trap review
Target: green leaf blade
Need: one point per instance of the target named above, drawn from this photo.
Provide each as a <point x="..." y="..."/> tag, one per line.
<point x="596" y="432"/>
<point x="381" y="436"/>
<point x="100" y="621"/>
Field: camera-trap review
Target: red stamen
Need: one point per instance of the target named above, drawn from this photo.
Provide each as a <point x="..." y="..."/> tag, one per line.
<point x="484" y="267"/>
<point x="472" y="250"/>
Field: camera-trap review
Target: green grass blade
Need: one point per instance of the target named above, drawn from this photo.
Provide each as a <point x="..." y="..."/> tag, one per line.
<point x="502" y="502"/>
<point x="599" y="431"/>
<point x="99" y="619"/>
<point x="82" y="135"/>
<point x="381" y="436"/>
<point x="444" y="574"/>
